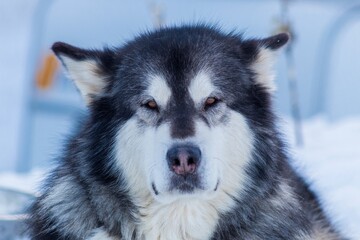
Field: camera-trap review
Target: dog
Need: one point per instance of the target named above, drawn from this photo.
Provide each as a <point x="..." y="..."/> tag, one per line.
<point x="179" y="142"/>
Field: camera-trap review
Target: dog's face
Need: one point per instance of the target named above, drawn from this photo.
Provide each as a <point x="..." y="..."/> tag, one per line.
<point x="189" y="136"/>
<point x="182" y="102"/>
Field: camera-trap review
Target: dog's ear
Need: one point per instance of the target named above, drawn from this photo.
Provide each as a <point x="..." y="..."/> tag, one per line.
<point x="89" y="69"/>
<point x="261" y="54"/>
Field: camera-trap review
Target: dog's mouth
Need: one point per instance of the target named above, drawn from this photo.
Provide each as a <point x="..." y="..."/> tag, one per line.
<point x="154" y="188"/>
<point x="187" y="186"/>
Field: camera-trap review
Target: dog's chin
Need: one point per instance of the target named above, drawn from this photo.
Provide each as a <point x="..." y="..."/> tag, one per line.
<point x="183" y="191"/>
<point x="186" y="188"/>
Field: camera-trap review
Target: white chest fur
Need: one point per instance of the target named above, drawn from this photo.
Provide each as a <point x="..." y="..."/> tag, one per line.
<point x="180" y="220"/>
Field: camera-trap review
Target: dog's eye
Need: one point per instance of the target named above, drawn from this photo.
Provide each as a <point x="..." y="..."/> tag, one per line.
<point x="151" y="104"/>
<point x="210" y="102"/>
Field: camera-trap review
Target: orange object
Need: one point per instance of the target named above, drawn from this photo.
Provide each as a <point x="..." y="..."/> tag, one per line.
<point x="46" y="73"/>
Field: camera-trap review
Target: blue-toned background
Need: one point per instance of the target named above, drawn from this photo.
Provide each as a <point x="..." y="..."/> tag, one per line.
<point x="35" y="122"/>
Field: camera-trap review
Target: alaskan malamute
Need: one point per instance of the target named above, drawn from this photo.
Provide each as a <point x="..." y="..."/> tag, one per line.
<point x="180" y="142"/>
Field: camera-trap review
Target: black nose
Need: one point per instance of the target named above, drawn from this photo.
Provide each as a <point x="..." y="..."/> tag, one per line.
<point x="183" y="159"/>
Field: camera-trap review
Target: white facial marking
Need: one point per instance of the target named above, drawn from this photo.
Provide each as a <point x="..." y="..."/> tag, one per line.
<point x="229" y="148"/>
<point x="85" y="75"/>
<point x="159" y="90"/>
<point x="130" y="142"/>
<point x="263" y="68"/>
<point x="201" y="87"/>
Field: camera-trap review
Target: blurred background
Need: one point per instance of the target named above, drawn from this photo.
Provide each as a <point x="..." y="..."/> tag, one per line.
<point x="318" y="81"/>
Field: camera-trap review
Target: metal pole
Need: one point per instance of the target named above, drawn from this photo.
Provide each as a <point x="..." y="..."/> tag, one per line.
<point x="291" y="74"/>
<point x="24" y="156"/>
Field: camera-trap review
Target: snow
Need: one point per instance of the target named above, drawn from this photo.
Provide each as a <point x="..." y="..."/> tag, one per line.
<point x="330" y="161"/>
<point x="28" y="183"/>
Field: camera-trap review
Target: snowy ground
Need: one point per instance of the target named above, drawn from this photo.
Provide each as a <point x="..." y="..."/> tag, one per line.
<point x="330" y="159"/>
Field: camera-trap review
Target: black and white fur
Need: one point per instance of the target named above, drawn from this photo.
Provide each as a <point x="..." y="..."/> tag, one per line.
<point x="190" y="90"/>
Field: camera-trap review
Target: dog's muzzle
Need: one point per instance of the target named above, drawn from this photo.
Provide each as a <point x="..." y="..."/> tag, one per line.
<point x="184" y="161"/>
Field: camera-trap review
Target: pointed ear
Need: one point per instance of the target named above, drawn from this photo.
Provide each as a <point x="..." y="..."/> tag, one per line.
<point x="262" y="54"/>
<point x="89" y="69"/>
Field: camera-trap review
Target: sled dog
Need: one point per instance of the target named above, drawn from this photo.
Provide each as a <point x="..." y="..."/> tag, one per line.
<point x="179" y="143"/>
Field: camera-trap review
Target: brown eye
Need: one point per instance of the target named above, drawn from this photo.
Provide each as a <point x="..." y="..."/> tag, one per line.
<point x="151" y="105"/>
<point x="210" y="101"/>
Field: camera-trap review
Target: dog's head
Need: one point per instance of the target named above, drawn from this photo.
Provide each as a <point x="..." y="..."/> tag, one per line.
<point x="181" y="102"/>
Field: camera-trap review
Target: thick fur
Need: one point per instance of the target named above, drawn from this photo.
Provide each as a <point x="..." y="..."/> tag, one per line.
<point x="114" y="181"/>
